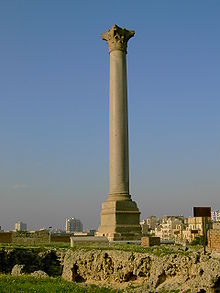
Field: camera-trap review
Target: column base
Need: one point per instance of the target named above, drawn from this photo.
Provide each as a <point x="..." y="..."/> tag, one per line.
<point x="120" y="220"/>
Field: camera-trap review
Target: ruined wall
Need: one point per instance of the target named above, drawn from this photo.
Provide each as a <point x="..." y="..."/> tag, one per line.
<point x="5" y="237"/>
<point x="214" y="238"/>
<point x="25" y="238"/>
<point x="30" y="238"/>
<point x="60" y="238"/>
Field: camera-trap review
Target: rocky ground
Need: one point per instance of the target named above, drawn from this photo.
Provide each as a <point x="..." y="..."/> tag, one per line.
<point x="132" y="271"/>
<point x="196" y="272"/>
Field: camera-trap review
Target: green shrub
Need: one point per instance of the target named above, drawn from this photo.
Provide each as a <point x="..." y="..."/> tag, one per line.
<point x="199" y="241"/>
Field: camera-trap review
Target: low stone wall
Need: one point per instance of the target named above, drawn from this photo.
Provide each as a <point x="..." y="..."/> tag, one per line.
<point x="30" y="238"/>
<point x="150" y="241"/>
<point x="25" y="238"/>
<point x="60" y="238"/>
<point x="5" y="237"/>
<point x="88" y="240"/>
<point x="214" y="238"/>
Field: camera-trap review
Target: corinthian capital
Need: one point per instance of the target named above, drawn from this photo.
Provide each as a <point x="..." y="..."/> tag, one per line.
<point x="117" y="38"/>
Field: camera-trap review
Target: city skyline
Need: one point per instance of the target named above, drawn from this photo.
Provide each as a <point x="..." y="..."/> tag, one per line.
<point x="54" y="74"/>
<point x="64" y="228"/>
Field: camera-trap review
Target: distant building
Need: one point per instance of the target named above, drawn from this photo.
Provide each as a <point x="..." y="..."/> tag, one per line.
<point x="19" y="226"/>
<point x="152" y="222"/>
<point x="144" y="227"/>
<point x="168" y="225"/>
<point x="193" y="228"/>
<point x="73" y="225"/>
<point x="172" y="217"/>
<point x="179" y="229"/>
<point x="57" y="231"/>
<point x="195" y="225"/>
<point x="215" y="216"/>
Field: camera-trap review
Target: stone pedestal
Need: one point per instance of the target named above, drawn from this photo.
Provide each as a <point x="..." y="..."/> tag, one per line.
<point x="120" y="220"/>
<point x="120" y="216"/>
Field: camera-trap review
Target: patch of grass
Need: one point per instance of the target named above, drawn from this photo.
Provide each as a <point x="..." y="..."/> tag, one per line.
<point x="195" y="247"/>
<point x="156" y="250"/>
<point x="40" y="247"/>
<point x="161" y="250"/>
<point x="28" y="284"/>
<point x="58" y="245"/>
<point x="199" y="241"/>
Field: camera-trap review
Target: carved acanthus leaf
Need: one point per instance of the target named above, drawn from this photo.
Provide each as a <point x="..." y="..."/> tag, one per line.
<point x="117" y="38"/>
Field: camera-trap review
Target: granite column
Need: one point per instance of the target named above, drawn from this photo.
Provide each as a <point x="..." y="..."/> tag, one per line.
<point x="119" y="215"/>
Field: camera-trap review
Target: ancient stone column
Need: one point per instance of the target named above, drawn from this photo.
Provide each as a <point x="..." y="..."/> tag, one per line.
<point x="120" y="215"/>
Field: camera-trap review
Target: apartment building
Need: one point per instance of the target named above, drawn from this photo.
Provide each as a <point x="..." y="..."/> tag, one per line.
<point x="20" y="226"/>
<point x="168" y="226"/>
<point x="73" y="225"/>
<point x="152" y="222"/>
<point x="215" y="216"/>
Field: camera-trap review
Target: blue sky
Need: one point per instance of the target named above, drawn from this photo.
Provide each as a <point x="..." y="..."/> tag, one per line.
<point x="54" y="82"/>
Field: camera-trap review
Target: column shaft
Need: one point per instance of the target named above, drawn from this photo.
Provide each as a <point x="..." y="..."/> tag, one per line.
<point x="118" y="128"/>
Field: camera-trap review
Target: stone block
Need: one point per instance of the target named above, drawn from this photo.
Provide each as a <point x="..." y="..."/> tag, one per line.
<point x="150" y="241"/>
<point x="17" y="270"/>
<point x="88" y="240"/>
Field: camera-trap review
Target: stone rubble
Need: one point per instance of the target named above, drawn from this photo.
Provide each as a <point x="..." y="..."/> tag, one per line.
<point x="39" y="274"/>
<point x="17" y="270"/>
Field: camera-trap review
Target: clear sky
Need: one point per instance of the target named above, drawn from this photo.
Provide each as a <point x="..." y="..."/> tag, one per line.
<point x="54" y="83"/>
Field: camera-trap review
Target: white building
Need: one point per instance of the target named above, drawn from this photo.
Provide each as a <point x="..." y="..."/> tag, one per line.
<point x="19" y="226"/>
<point x="215" y="216"/>
<point x="152" y="222"/>
<point x="168" y="225"/>
<point x="144" y="227"/>
<point x="73" y="225"/>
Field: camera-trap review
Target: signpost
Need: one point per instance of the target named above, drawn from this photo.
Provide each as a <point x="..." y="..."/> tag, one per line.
<point x="204" y="212"/>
